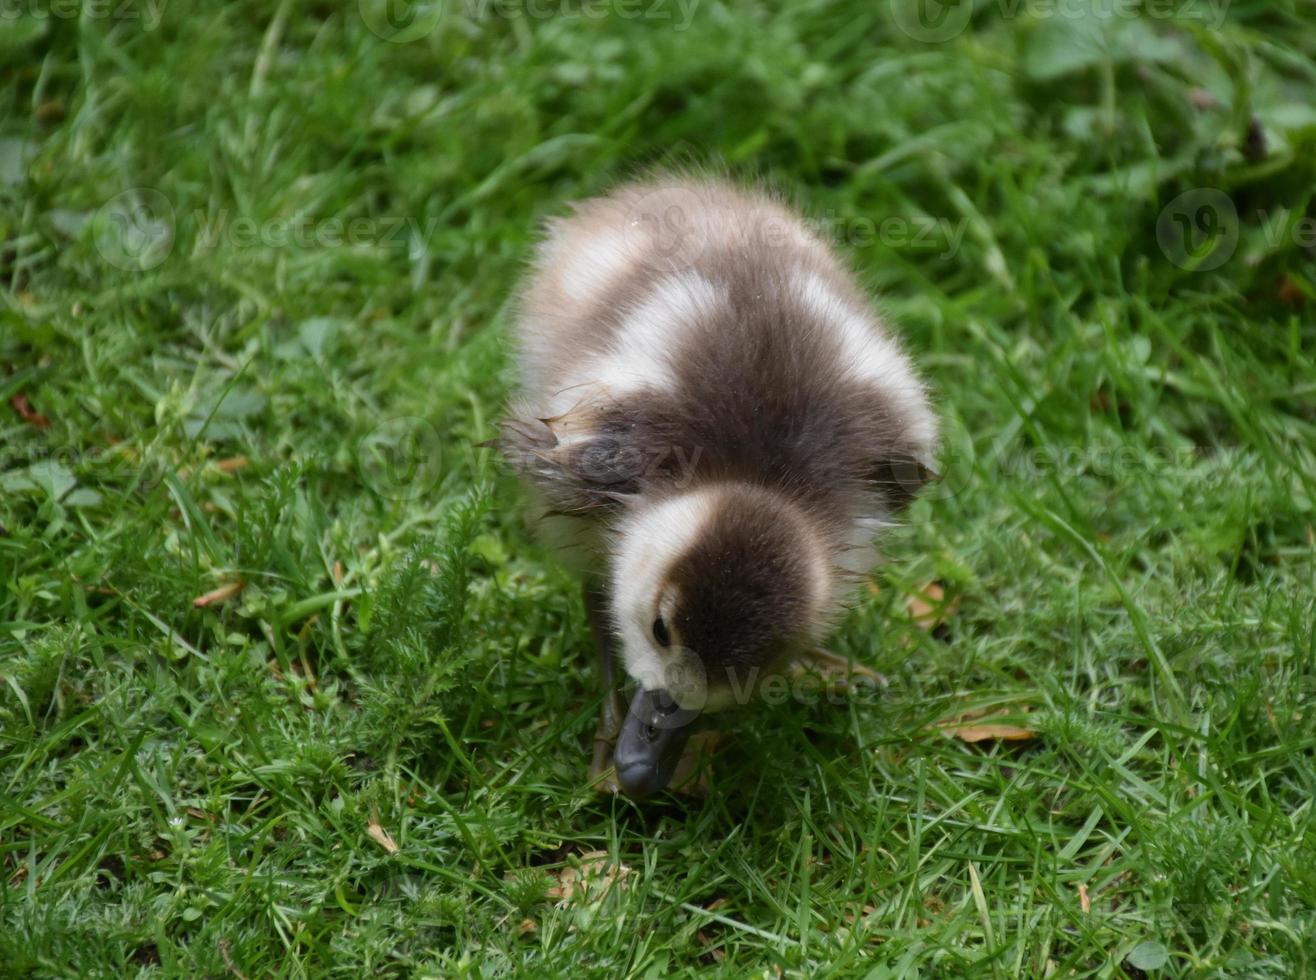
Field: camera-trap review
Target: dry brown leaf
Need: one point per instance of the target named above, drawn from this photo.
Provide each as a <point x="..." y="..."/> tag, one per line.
<point x="717" y="954"/>
<point x="225" y="591"/>
<point x="566" y="885"/>
<point x="527" y="926"/>
<point x="1290" y="293"/>
<point x="381" y="836"/>
<point x="1083" y="900"/>
<point x="928" y="607"/>
<point x="27" y="413"/>
<point x="232" y="464"/>
<point x="593" y="877"/>
<point x="978" y="726"/>
<point x="999" y="733"/>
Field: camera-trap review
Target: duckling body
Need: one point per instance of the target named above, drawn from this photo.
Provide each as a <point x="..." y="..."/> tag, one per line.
<point x="716" y="425"/>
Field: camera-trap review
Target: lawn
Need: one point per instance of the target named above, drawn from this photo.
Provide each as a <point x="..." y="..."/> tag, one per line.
<point x="287" y="686"/>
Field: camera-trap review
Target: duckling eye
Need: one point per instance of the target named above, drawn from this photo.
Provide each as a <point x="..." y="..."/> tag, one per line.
<point x="660" y="633"/>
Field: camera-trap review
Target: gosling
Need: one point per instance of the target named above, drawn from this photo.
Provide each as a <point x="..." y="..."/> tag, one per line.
<point x="715" y="426"/>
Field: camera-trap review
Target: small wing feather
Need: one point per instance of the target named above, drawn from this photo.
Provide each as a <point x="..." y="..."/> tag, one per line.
<point x="578" y="470"/>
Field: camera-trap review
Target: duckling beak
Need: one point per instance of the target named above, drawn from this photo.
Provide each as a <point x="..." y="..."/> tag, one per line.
<point x="652" y="737"/>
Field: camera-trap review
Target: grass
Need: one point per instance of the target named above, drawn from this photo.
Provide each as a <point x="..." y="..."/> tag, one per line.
<point x="256" y="264"/>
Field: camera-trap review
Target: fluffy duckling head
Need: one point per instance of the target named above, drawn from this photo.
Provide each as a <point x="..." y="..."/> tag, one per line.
<point x="713" y="588"/>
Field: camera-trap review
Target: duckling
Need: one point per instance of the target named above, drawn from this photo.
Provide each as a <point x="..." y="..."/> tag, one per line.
<point x="714" y="425"/>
